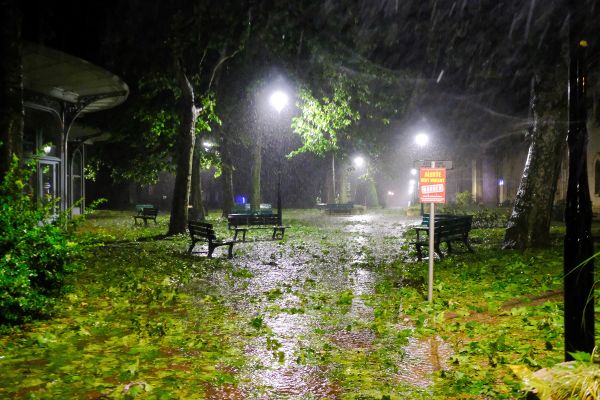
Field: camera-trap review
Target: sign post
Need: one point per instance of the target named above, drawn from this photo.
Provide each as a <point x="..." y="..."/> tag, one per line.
<point x="432" y="185"/>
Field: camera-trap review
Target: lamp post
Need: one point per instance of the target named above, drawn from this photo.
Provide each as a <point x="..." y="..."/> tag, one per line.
<point x="278" y="100"/>
<point x="359" y="162"/>
<point x="421" y="140"/>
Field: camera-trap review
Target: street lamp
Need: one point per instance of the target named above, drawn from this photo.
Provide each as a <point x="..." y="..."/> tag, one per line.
<point x="359" y="161"/>
<point x="421" y="139"/>
<point x="278" y="100"/>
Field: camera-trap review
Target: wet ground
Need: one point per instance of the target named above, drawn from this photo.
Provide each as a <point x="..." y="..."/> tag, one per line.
<point x="285" y="289"/>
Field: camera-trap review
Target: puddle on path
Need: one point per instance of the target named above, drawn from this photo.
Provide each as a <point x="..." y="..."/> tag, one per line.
<point x="422" y="358"/>
<point x="340" y="257"/>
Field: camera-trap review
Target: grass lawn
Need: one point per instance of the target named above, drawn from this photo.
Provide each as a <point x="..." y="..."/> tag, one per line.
<point x="336" y="310"/>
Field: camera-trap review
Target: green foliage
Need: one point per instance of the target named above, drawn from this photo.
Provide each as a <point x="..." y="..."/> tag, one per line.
<point x="464" y="199"/>
<point x="36" y="252"/>
<point x="145" y="318"/>
<point x="322" y="120"/>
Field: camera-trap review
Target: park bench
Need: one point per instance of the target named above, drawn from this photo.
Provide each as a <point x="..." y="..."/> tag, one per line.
<point x="244" y="222"/>
<point x="339" y="208"/>
<point x="264" y="209"/>
<point x="203" y="231"/>
<point x="447" y="229"/>
<point x="146" y="213"/>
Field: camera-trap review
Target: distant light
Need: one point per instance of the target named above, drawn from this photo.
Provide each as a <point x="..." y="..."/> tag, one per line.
<point x="413" y="171"/>
<point x="411" y="189"/>
<point x="47" y="149"/>
<point x="412" y="182"/>
<point x="207" y="145"/>
<point x="421" y="139"/>
<point x="278" y="100"/>
<point x="500" y="182"/>
<point x="359" y="161"/>
<point x="390" y="193"/>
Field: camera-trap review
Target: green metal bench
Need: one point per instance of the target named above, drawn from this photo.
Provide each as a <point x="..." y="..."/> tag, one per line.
<point x="339" y="208"/>
<point x="203" y="231"/>
<point x="146" y="213"/>
<point x="244" y="222"/>
<point x="447" y="229"/>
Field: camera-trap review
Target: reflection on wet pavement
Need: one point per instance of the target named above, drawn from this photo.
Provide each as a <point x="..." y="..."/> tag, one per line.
<point x="279" y="282"/>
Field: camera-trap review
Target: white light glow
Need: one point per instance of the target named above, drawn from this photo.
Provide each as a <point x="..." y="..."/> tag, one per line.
<point x="278" y="100"/>
<point x="501" y="182"/>
<point x="359" y="161"/>
<point x="421" y="139"/>
<point x="47" y="149"/>
<point x="390" y="193"/>
<point x="413" y="171"/>
<point x="412" y="182"/>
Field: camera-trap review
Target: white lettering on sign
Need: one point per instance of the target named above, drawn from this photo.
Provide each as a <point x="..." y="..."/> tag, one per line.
<point x="432" y="189"/>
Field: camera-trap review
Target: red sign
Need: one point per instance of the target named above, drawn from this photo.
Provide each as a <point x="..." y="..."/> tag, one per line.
<point x="432" y="185"/>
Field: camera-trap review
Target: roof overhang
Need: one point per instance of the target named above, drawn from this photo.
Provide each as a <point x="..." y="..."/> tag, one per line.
<point x="59" y="76"/>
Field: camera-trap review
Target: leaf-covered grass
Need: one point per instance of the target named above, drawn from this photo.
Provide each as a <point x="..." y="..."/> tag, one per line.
<point x="145" y="320"/>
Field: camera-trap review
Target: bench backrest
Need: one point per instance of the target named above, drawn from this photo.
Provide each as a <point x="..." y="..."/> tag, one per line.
<point x="454" y="226"/>
<point x="340" y="206"/>
<point x="201" y="230"/>
<point x="445" y="217"/>
<point x="247" y="219"/>
<point x="149" y="212"/>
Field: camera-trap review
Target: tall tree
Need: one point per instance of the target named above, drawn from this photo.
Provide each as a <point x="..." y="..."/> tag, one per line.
<point x="529" y="223"/>
<point x="178" y="61"/>
<point x="11" y="84"/>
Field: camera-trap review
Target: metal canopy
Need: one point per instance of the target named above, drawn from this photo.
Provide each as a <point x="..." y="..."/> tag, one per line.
<point x="67" y="86"/>
<point x="59" y="76"/>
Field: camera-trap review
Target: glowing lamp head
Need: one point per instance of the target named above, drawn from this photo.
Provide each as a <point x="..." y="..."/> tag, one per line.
<point x="47" y="149"/>
<point x="278" y="100"/>
<point x="359" y="161"/>
<point x="421" y="139"/>
<point x="413" y="171"/>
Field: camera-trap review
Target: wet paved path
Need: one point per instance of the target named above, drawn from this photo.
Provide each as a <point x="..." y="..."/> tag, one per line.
<point x="281" y="289"/>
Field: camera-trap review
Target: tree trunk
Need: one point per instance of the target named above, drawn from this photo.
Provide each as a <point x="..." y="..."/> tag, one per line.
<point x="226" y="177"/>
<point x="330" y="182"/>
<point x="529" y="223"/>
<point x="11" y="87"/>
<point x="197" y="212"/>
<point x="256" y="167"/>
<point x="184" y="152"/>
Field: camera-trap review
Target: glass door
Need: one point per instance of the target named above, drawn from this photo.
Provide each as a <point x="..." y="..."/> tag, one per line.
<point x="48" y="183"/>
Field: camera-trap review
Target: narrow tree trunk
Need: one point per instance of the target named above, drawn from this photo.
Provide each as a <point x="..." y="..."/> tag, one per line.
<point x="197" y="212"/>
<point x="226" y="177"/>
<point x="529" y="223"/>
<point x="345" y="186"/>
<point x="184" y="152"/>
<point x="256" y="168"/>
<point x="11" y="84"/>
<point x="330" y="182"/>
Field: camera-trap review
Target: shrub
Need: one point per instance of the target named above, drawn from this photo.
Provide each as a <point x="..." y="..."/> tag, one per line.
<point x="464" y="199"/>
<point x="35" y="253"/>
